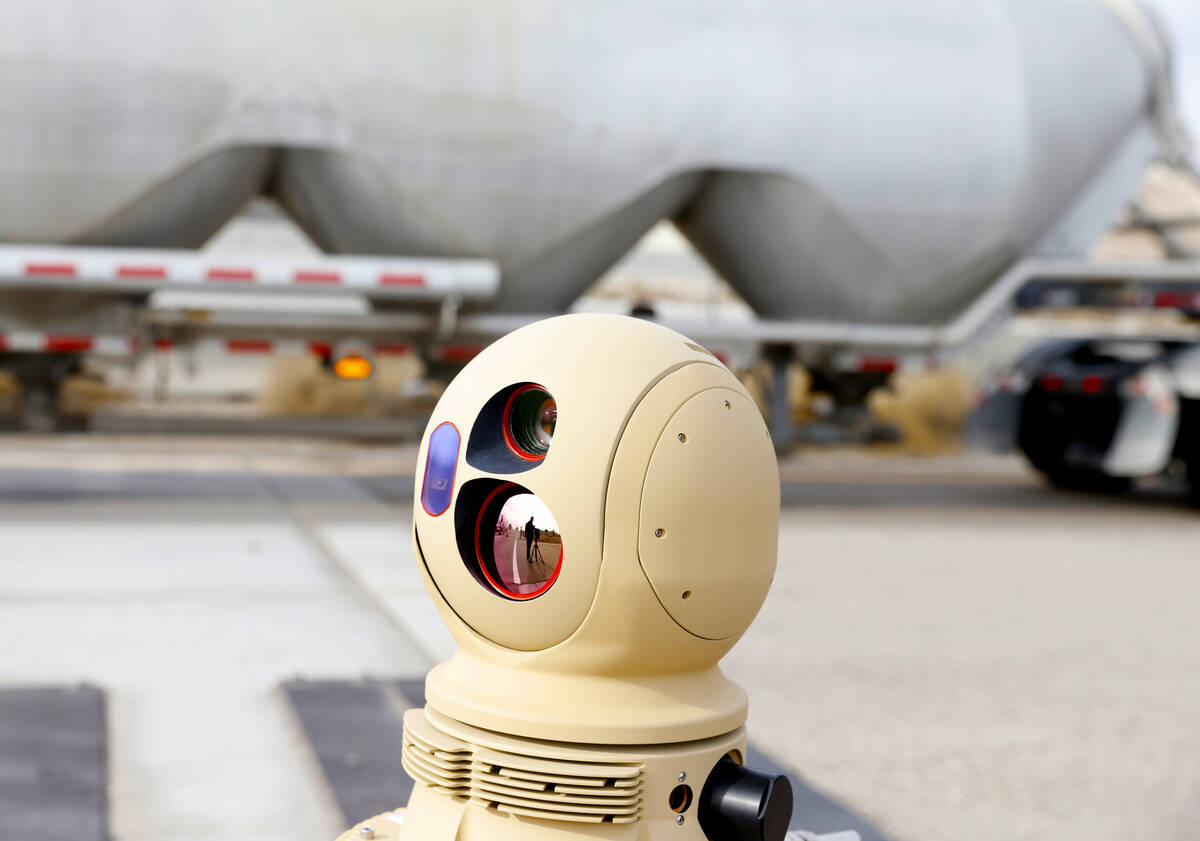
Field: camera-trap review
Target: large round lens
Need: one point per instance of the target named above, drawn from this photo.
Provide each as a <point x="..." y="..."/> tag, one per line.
<point x="529" y="421"/>
<point x="527" y="548"/>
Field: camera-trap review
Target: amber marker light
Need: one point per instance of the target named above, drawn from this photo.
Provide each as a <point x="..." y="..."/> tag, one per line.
<point x="352" y="368"/>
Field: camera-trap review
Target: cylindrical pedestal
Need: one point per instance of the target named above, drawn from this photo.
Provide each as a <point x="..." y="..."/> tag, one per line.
<point x="385" y="827"/>
<point x="477" y="784"/>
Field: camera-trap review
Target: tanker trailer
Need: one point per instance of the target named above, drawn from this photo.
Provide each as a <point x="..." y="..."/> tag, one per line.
<point x="862" y="162"/>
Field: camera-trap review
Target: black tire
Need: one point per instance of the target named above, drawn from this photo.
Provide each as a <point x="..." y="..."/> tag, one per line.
<point x="1193" y="479"/>
<point x="1088" y="481"/>
<point x="1058" y="474"/>
<point x="39" y="409"/>
<point x="1044" y="437"/>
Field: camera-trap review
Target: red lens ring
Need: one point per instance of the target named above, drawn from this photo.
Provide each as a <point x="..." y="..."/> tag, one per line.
<point x="518" y="451"/>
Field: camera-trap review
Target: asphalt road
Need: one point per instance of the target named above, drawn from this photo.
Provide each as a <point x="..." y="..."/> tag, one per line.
<point x="518" y="574"/>
<point x="949" y="648"/>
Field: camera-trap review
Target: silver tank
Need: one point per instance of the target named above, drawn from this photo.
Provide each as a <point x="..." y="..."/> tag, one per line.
<point x="866" y="160"/>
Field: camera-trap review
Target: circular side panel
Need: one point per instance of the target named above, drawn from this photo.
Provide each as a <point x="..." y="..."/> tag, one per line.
<point x="710" y="514"/>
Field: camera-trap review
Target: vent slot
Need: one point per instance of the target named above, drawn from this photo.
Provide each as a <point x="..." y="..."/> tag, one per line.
<point x="516" y="784"/>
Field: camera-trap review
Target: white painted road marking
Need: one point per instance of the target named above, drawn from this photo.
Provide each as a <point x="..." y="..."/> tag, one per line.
<point x="516" y="572"/>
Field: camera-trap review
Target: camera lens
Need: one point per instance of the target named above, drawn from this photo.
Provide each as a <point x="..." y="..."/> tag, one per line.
<point x="516" y="548"/>
<point x="529" y="421"/>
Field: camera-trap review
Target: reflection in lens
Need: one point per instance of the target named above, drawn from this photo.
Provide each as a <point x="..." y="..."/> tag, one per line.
<point x="532" y="415"/>
<point x="547" y="417"/>
<point x="527" y="546"/>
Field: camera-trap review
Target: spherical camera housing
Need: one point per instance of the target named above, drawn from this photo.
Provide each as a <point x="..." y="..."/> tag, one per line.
<point x="596" y="518"/>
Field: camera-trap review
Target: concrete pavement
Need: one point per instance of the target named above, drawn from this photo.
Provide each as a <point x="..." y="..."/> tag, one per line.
<point x="949" y="648"/>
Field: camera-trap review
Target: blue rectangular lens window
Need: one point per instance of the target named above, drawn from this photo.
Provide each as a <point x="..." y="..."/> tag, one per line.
<point x="441" y="463"/>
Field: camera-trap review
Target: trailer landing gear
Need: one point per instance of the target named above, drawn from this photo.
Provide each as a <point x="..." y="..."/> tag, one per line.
<point x="41" y="376"/>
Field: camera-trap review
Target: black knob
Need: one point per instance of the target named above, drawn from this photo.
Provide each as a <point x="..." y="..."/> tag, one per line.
<point x="740" y="804"/>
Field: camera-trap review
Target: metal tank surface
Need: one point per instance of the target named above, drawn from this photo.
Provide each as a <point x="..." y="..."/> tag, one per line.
<point x="873" y="161"/>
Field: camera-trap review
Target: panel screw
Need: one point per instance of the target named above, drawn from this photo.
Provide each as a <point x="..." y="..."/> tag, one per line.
<point x="679" y="820"/>
<point x="727" y="405"/>
<point x="682" y="438"/>
<point x="366" y="832"/>
<point x="681" y="776"/>
<point x="659" y="532"/>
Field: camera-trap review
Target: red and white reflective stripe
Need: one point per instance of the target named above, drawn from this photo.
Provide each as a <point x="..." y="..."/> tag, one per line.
<point x="392" y="349"/>
<point x="123" y="268"/>
<point x="849" y="362"/>
<point x="458" y="353"/>
<point x="39" y="268"/>
<point x="141" y="272"/>
<point x="317" y="276"/>
<point x="290" y="347"/>
<point x="105" y="345"/>
<point x="249" y="345"/>
<point x="401" y="279"/>
<point x="225" y="274"/>
<point x="111" y="345"/>
<point x="1177" y="300"/>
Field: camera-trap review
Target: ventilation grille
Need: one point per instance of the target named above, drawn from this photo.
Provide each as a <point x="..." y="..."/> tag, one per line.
<point x="532" y="787"/>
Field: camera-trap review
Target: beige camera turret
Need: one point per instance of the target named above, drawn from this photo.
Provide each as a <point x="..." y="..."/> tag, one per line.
<point x="596" y="517"/>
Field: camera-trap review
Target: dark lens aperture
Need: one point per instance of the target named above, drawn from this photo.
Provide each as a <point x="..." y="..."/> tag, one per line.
<point x="531" y="420"/>
<point x="527" y="548"/>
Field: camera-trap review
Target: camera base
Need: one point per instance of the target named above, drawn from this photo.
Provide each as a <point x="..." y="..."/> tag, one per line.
<point x="384" y="827"/>
<point x="474" y="783"/>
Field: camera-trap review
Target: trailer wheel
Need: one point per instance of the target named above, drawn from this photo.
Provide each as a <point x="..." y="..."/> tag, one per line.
<point x="1187" y="444"/>
<point x="39" y="408"/>
<point x="40" y="377"/>
<point x="1045" y="436"/>
<point x="1089" y="481"/>
<point x="1059" y="475"/>
<point x="1193" y="479"/>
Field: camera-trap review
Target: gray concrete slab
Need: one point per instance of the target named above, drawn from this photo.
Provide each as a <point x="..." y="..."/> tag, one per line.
<point x="374" y="547"/>
<point x="369" y="429"/>
<point x="66" y="485"/>
<point x="190" y="611"/>
<point x="53" y="764"/>
<point x="356" y="732"/>
<point x="987" y="670"/>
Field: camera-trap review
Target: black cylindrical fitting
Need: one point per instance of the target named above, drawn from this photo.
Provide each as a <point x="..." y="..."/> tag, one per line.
<point x="740" y="804"/>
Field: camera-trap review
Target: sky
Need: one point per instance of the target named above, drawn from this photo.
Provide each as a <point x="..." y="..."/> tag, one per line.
<point x="517" y="510"/>
<point x="1183" y="18"/>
